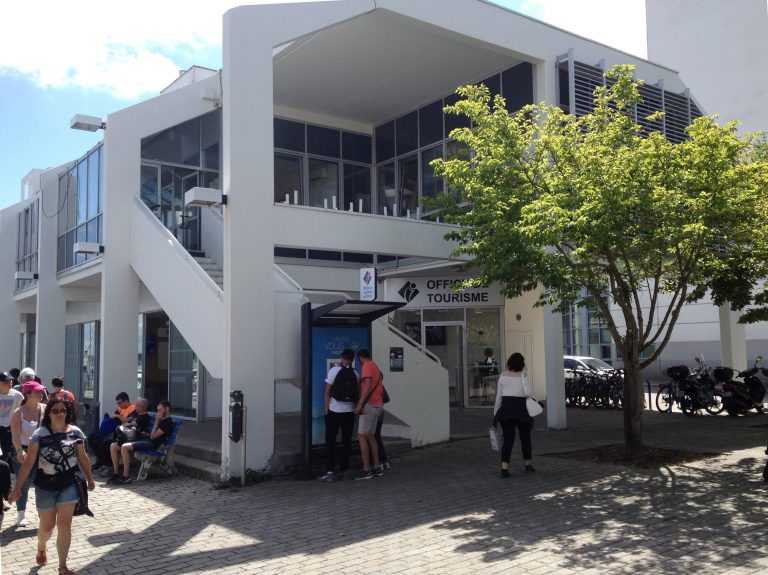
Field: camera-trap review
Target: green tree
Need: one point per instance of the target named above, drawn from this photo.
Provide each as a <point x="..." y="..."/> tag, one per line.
<point x="593" y="204"/>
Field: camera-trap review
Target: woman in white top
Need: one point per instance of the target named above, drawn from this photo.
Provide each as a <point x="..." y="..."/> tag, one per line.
<point x="512" y="390"/>
<point x="24" y="421"/>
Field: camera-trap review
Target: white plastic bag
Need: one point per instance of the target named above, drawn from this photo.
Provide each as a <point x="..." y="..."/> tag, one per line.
<point x="495" y="439"/>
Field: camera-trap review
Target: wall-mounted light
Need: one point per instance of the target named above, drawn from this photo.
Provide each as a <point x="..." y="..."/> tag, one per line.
<point x="88" y="248"/>
<point x="25" y="276"/>
<point x="198" y="196"/>
<point x="86" y="123"/>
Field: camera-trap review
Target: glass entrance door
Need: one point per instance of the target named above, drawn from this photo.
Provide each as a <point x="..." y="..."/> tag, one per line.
<point x="446" y="341"/>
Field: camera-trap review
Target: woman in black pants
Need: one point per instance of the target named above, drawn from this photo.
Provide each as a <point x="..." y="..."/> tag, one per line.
<point x="512" y="390"/>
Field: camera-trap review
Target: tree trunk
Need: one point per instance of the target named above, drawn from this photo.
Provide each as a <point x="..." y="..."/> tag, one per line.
<point x="633" y="405"/>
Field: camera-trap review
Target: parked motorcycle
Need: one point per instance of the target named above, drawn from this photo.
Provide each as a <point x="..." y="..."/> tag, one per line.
<point x="740" y="397"/>
<point x="699" y="391"/>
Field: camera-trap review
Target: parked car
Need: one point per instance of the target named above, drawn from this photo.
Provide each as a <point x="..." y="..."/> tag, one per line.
<point x="584" y="364"/>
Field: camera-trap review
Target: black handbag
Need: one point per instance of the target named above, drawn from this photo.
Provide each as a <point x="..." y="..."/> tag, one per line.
<point x="81" y="508"/>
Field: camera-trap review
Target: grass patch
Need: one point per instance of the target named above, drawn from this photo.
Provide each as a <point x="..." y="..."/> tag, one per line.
<point x="645" y="457"/>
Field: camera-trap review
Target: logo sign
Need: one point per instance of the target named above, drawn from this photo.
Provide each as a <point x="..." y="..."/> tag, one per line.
<point x="368" y="284"/>
<point x="442" y="293"/>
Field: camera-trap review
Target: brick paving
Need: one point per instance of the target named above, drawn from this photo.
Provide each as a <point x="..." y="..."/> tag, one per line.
<point x="443" y="509"/>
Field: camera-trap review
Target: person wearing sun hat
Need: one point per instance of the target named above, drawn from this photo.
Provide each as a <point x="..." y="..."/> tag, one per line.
<point x="24" y="421"/>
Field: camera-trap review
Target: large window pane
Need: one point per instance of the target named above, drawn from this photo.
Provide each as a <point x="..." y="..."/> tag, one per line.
<point x="210" y="139"/>
<point x="517" y="86"/>
<point x="149" y="187"/>
<point x="385" y="187"/>
<point x="80" y="236"/>
<point x="431" y="185"/>
<point x="431" y="123"/>
<point x="408" y="185"/>
<point x="356" y="147"/>
<point x="101" y="178"/>
<point x="179" y="144"/>
<point x="385" y="142"/>
<point x="323" y="183"/>
<point x="89" y="363"/>
<point x="82" y="191"/>
<point x="357" y="187"/>
<point x="288" y="178"/>
<point x="407" y="133"/>
<point x="61" y="205"/>
<point x="483" y="354"/>
<point x="457" y="151"/>
<point x="409" y="322"/>
<point x="93" y="184"/>
<point x="68" y="254"/>
<point x="323" y="141"/>
<point x="72" y="200"/>
<point x="289" y="135"/>
<point x="452" y="121"/>
<point x="493" y="83"/>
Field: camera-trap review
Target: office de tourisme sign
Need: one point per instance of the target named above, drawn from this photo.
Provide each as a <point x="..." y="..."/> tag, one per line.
<point x="440" y="292"/>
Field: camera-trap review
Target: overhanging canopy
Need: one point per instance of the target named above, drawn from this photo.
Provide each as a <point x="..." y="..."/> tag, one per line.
<point x="352" y="312"/>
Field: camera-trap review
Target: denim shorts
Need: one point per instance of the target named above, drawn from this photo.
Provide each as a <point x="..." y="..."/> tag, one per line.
<point x="47" y="500"/>
<point x="142" y="445"/>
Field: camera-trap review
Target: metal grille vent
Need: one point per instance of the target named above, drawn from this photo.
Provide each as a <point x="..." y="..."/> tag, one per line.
<point x="586" y="79"/>
<point x="676" y="116"/>
<point x="652" y="102"/>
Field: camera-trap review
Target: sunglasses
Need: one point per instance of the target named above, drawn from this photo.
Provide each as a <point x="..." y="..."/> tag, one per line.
<point x="59" y="411"/>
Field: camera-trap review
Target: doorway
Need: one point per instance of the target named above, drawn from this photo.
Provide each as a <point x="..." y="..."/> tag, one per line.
<point x="446" y="341"/>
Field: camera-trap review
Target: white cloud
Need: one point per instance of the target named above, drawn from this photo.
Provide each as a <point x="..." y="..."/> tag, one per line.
<point x="125" y="49"/>
<point x="618" y="23"/>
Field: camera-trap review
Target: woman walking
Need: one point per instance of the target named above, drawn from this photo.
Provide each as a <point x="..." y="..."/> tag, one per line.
<point x="24" y="421"/>
<point x="511" y="392"/>
<point x="59" y="450"/>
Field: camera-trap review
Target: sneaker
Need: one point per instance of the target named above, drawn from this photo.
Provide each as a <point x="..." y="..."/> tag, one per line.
<point x="530" y="469"/>
<point x="504" y="473"/>
<point x="21" y="520"/>
<point x="387" y="465"/>
<point x="327" y="476"/>
<point x="365" y="475"/>
<point x="124" y="480"/>
<point x="106" y="472"/>
<point x="114" y="479"/>
<point x="378" y="471"/>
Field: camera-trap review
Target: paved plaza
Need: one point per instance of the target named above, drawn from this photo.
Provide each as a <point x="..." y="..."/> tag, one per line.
<point x="443" y="509"/>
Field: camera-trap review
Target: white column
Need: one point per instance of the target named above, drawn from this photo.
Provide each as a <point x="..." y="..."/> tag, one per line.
<point x="119" y="283"/>
<point x="733" y="338"/>
<point x="248" y="241"/>
<point x="51" y="301"/>
<point x="9" y="309"/>
<point x="553" y="360"/>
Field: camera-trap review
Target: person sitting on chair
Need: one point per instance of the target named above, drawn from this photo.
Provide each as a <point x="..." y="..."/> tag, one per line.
<point x="162" y="429"/>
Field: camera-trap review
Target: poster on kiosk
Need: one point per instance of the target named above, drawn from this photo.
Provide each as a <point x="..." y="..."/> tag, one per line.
<point x="328" y="342"/>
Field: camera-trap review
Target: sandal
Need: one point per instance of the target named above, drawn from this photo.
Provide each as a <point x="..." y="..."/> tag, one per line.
<point x="41" y="558"/>
<point x="66" y="571"/>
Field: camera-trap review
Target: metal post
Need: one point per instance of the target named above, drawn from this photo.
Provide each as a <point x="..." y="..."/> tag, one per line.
<point x="245" y="435"/>
<point x="306" y="388"/>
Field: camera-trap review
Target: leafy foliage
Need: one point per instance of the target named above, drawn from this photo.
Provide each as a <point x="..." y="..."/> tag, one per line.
<point x="589" y="203"/>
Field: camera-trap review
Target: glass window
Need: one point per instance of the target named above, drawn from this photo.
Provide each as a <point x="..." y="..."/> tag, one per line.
<point x="68" y="255"/>
<point x="484" y="354"/>
<point x="61" y="206"/>
<point x="89" y="362"/>
<point x="357" y="187"/>
<point x="60" y="258"/>
<point x="493" y="83"/>
<point x="82" y="191"/>
<point x="452" y="121"/>
<point x="210" y="139"/>
<point x="93" y="184"/>
<point x="517" y="86"/>
<point x="290" y="253"/>
<point x="92" y="230"/>
<point x="455" y="314"/>
<point x="323" y="141"/>
<point x="408" y="184"/>
<point x="356" y="147"/>
<point x="323" y="183"/>
<point x="288" y="178"/>
<point x="409" y="322"/>
<point x="431" y="185"/>
<point x="178" y="145"/>
<point x="407" y="133"/>
<point x="324" y="255"/>
<point x="72" y="200"/>
<point x="358" y="258"/>
<point x="385" y="186"/>
<point x="101" y="178"/>
<point x="80" y="236"/>
<point x="431" y="123"/>
<point x="563" y="87"/>
<point x="289" y="135"/>
<point x="72" y="357"/>
<point x="149" y="187"/>
<point x="457" y="151"/>
<point x="385" y="142"/>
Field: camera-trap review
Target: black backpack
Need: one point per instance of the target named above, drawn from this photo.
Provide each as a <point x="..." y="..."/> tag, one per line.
<point x="344" y="386"/>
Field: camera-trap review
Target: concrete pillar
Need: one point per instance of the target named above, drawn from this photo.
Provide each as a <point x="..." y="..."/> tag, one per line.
<point x="247" y="170"/>
<point x="119" y="283"/>
<point x="9" y="309"/>
<point x="51" y="301"/>
<point x="553" y="360"/>
<point x="733" y="338"/>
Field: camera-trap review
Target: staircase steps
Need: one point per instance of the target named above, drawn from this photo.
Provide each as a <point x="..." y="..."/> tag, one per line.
<point x="212" y="268"/>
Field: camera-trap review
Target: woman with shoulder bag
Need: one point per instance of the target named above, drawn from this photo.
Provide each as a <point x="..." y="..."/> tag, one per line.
<point x="58" y="448"/>
<point x="510" y="411"/>
<point x="24" y="421"/>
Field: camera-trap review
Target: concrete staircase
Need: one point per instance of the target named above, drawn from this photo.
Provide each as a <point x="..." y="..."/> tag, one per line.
<point x="212" y="268"/>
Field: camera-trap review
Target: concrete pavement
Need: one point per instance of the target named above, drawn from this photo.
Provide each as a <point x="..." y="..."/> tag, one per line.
<point x="443" y="509"/>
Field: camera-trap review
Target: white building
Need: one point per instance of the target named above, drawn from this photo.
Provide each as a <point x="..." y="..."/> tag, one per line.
<point x="318" y="131"/>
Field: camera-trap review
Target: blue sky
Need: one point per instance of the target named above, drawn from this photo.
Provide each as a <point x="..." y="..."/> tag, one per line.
<point x="69" y="62"/>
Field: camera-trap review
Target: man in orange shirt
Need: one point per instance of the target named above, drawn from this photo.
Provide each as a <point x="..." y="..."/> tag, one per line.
<point x="369" y="408"/>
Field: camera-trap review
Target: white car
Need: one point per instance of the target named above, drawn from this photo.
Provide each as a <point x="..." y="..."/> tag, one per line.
<point x="584" y="364"/>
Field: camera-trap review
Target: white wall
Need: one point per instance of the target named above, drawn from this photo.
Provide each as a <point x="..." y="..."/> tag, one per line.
<point x="9" y="313"/>
<point x="719" y="48"/>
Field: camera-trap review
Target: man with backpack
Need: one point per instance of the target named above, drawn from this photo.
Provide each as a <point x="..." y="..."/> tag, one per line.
<point x="342" y="392"/>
